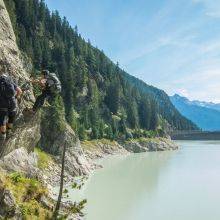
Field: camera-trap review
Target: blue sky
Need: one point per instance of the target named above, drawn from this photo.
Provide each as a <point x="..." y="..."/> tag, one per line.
<point x="171" y="44"/>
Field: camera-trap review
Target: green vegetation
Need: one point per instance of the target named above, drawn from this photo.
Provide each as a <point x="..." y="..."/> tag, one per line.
<point x="53" y="124"/>
<point x="101" y="100"/>
<point x="92" y="145"/>
<point x="27" y="193"/>
<point x="44" y="159"/>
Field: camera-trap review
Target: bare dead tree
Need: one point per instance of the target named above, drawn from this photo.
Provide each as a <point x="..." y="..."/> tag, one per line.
<point x="57" y="209"/>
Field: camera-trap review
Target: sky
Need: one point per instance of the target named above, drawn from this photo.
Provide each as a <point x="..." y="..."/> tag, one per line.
<point x="171" y="44"/>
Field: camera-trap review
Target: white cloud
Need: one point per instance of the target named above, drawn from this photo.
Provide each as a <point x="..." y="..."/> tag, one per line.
<point x="203" y="83"/>
<point x="183" y="92"/>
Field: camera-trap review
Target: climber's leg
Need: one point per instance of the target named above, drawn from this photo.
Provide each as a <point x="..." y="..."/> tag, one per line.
<point x="11" y="119"/>
<point x="3" y="117"/>
<point x="40" y="101"/>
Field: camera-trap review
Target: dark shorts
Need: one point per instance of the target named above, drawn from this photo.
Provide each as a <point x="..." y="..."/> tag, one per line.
<point x="7" y="117"/>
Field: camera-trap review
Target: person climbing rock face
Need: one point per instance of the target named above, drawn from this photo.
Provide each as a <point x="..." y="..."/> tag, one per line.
<point x="50" y="85"/>
<point x="9" y="92"/>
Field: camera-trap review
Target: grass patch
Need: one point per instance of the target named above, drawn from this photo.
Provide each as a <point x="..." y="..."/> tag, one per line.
<point x="27" y="193"/>
<point x="94" y="144"/>
<point x="44" y="159"/>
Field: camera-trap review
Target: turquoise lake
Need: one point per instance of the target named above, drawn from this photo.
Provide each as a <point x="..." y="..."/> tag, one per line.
<point x="173" y="185"/>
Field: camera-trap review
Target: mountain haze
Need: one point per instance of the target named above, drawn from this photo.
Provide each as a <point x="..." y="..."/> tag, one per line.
<point x="203" y="114"/>
<point x="211" y="105"/>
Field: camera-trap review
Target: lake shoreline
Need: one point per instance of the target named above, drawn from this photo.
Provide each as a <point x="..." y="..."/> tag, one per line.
<point x="97" y="149"/>
<point x="130" y="186"/>
<point x="46" y="168"/>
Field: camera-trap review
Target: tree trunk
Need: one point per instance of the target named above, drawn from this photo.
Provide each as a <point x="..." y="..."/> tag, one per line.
<point x="57" y="209"/>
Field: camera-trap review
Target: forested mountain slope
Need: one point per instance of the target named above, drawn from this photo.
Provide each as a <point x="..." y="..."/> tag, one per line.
<point x="101" y="100"/>
<point x="164" y="105"/>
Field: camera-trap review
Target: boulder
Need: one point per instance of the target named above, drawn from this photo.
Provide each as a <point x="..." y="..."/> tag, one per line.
<point x="9" y="209"/>
<point x="21" y="161"/>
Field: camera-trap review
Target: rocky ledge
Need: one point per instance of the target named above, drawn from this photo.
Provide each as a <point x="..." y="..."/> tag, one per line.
<point x="149" y="144"/>
<point x="96" y="149"/>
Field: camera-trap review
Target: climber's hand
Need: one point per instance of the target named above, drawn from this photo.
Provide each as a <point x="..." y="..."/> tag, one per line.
<point x="42" y="83"/>
<point x="34" y="81"/>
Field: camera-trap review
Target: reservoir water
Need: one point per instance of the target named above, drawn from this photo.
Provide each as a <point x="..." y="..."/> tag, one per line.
<point x="177" y="185"/>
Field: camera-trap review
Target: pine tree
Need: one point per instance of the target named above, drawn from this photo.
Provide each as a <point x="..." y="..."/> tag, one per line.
<point x="133" y="114"/>
<point x="145" y="113"/>
<point x="154" y="117"/>
<point x="94" y="87"/>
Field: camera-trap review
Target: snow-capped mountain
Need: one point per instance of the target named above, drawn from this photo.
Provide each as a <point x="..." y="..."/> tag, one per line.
<point x="205" y="115"/>
<point x="207" y="104"/>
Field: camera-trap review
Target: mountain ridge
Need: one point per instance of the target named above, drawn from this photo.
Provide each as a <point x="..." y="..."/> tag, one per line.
<point x="206" y="115"/>
<point x="101" y="100"/>
<point x="211" y="105"/>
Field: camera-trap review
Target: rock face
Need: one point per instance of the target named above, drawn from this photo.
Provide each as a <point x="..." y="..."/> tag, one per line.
<point x="26" y="136"/>
<point x="149" y="144"/>
<point x="28" y="133"/>
<point x="9" y="54"/>
<point x="10" y="62"/>
<point x="8" y="205"/>
<point x="20" y="160"/>
<point x="26" y="163"/>
<point x="75" y="161"/>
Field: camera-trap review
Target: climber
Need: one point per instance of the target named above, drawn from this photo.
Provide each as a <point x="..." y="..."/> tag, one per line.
<point x="50" y="85"/>
<point x="9" y="93"/>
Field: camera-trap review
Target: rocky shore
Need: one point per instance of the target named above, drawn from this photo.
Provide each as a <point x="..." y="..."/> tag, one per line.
<point x="149" y="144"/>
<point x="46" y="167"/>
<point x="97" y="149"/>
<point x="101" y="148"/>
